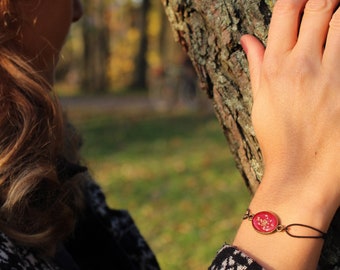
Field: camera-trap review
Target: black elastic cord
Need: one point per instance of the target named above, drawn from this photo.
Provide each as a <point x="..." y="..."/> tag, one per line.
<point x="323" y="235"/>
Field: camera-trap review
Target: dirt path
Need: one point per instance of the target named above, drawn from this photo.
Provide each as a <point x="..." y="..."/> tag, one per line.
<point x="122" y="104"/>
<point x="106" y="103"/>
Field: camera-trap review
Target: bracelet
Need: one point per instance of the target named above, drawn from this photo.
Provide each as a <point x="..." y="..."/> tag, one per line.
<point x="266" y="222"/>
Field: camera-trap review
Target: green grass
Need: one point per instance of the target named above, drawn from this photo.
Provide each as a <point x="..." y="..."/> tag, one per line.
<point x="174" y="174"/>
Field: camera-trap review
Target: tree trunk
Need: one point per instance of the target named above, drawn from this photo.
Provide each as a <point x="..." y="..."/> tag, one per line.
<point x="210" y="30"/>
<point x="96" y="48"/>
<point x="139" y="78"/>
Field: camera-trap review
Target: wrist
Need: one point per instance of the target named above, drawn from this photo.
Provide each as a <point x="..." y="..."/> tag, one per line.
<point x="296" y="199"/>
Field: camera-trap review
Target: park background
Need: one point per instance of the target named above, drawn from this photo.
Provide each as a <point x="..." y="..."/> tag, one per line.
<point x="151" y="139"/>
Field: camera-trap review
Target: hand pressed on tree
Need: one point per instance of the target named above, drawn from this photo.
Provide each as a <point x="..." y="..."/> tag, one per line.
<point x="296" y="117"/>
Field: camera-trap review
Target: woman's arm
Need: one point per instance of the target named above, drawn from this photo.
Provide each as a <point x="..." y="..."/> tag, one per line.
<point x="296" y="117"/>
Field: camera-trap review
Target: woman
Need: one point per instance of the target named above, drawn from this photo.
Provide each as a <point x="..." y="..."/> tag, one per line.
<point x="296" y="116"/>
<point x="52" y="215"/>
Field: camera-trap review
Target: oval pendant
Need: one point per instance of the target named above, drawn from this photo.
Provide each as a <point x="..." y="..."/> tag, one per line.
<point x="265" y="222"/>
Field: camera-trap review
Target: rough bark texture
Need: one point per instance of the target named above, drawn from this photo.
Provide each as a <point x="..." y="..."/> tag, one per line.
<point x="210" y="30"/>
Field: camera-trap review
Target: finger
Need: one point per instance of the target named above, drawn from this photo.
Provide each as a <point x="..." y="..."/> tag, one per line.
<point x="331" y="56"/>
<point x="314" y="26"/>
<point x="284" y="26"/>
<point x="254" y="50"/>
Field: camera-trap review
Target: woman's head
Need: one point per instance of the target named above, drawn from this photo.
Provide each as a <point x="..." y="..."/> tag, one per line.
<point x="37" y="208"/>
<point x="39" y="28"/>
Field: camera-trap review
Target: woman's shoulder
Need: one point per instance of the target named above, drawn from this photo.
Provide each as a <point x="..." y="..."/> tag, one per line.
<point x="16" y="257"/>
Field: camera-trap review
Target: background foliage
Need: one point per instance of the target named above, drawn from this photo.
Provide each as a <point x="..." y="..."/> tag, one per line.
<point x="113" y="39"/>
<point x="175" y="175"/>
<point x="170" y="168"/>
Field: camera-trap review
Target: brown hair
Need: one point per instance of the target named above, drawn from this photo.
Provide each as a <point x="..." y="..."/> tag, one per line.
<point x="37" y="209"/>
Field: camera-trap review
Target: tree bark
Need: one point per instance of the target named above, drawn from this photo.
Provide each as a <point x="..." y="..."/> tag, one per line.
<point x="209" y="31"/>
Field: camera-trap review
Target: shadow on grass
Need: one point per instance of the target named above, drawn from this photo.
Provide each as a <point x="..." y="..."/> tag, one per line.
<point x="108" y="134"/>
<point x="174" y="174"/>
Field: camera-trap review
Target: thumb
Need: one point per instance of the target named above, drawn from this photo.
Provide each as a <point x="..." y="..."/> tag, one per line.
<point x="254" y="50"/>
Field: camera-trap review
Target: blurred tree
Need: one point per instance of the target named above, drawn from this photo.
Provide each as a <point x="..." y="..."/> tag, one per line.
<point x="163" y="42"/>
<point x="111" y="50"/>
<point x="210" y="32"/>
<point x="124" y="39"/>
<point x="96" y="51"/>
<point x="141" y="66"/>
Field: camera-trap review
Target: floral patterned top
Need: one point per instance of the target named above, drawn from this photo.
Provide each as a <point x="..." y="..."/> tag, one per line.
<point x="103" y="239"/>
<point x="230" y="258"/>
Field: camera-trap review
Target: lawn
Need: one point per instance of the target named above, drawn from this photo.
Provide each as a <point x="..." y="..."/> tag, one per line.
<point x="175" y="175"/>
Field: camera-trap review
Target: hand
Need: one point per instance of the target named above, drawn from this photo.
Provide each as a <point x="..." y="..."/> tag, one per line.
<point x="296" y="90"/>
<point x="296" y="117"/>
